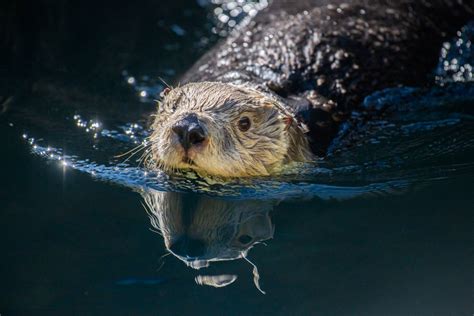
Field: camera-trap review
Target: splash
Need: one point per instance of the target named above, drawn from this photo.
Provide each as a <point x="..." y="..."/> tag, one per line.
<point x="230" y="15"/>
<point x="457" y="58"/>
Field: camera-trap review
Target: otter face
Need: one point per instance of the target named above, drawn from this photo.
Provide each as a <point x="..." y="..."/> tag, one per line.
<point x="224" y="130"/>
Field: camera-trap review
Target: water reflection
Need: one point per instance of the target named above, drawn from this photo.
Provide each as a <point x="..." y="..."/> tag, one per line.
<point x="198" y="229"/>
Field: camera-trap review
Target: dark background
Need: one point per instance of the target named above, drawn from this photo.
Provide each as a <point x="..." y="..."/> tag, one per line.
<point x="74" y="52"/>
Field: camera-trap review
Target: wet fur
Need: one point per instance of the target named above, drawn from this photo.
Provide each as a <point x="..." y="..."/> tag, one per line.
<point x="312" y="61"/>
<point x="269" y="143"/>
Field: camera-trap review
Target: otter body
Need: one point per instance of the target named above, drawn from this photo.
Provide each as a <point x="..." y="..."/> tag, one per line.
<point x="315" y="63"/>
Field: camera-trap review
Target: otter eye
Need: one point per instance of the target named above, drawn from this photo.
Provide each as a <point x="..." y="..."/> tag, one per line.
<point x="244" y="124"/>
<point x="245" y="239"/>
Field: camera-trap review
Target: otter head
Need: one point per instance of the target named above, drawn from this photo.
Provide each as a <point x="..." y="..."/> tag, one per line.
<point x="224" y="130"/>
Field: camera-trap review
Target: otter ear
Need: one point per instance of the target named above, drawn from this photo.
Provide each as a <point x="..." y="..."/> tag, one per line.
<point x="165" y="92"/>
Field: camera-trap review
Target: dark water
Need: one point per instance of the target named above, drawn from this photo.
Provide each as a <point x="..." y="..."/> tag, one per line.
<point x="384" y="226"/>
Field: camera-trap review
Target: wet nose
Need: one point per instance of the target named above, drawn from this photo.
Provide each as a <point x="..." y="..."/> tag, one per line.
<point x="188" y="247"/>
<point x="189" y="131"/>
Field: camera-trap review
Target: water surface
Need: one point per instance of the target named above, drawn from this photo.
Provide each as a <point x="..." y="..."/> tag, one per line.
<point x="383" y="226"/>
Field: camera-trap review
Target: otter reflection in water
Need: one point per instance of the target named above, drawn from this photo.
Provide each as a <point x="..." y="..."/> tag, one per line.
<point x="199" y="229"/>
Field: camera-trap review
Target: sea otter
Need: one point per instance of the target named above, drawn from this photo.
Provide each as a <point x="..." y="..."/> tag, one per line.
<point x="276" y="90"/>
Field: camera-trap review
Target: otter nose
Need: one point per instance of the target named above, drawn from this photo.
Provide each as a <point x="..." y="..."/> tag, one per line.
<point x="189" y="131"/>
<point x="189" y="248"/>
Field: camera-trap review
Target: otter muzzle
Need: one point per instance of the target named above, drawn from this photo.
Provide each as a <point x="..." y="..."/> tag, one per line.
<point x="189" y="131"/>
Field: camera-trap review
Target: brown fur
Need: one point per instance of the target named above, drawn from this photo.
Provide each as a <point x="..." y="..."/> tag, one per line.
<point x="273" y="139"/>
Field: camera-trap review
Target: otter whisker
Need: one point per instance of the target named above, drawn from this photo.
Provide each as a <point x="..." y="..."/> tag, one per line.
<point x="155" y="231"/>
<point x="162" y="261"/>
<point x="256" y="275"/>
<point x="139" y="148"/>
<point x="145" y="155"/>
<point x="147" y="159"/>
<point x="131" y="150"/>
<point x="166" y="84"/>
<point x="148" y="206"/>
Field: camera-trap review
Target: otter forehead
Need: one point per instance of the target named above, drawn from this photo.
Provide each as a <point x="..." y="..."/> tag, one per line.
<point x="209" y="96"/>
